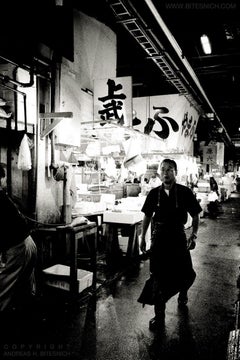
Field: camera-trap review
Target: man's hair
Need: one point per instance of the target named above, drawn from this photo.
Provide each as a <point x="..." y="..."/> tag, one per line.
<point x="171" y="162"/>
<point x="2" y="171"/>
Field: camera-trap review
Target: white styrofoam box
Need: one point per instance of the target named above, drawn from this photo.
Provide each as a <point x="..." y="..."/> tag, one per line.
<point x="108" y="200"/>
<point x="82" y="188"/>
<point x="88" y="207"/>
<point x="126" y="217"/>
<point x="56" y="277"/>
<point x="203" y="186"/>
<point x="132" y="203"/>
<point x="83" y="207"/>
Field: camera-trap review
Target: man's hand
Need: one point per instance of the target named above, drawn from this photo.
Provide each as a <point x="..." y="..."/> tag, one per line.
<point x="191" y="242"/>
<point x="143" y="245"/>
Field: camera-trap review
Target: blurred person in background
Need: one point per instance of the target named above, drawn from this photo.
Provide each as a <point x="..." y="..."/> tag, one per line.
<point x="154" y="180"/>
<point x="214" y="207"/>
<point x="213" y="185"/>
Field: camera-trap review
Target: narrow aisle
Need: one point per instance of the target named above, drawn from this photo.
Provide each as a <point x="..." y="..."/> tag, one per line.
<point x="199" y="333"/>
<point x="112" y="325"/>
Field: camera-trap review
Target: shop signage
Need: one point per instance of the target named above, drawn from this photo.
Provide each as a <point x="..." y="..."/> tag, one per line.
<point x="220" y="153"/>
<point x="169" y="118"/>
<point x="68" y="130"/>
<point x="210" y="154"/>
<point x="113" y="101"/>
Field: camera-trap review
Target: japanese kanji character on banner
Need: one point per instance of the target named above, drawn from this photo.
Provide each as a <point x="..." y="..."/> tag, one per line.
<point x="113" y="101"/>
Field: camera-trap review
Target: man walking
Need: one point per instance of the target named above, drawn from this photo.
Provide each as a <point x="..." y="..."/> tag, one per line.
<point x="166" y="208"/>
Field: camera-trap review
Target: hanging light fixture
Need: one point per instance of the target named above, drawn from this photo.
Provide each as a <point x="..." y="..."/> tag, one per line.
<point x="210" y="116"/>
<point x="206" y="46"/>
<point x="59" y="2"/>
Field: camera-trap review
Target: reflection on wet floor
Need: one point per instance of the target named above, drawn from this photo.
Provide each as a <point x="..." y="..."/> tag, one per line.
<point x="109" y="323"/>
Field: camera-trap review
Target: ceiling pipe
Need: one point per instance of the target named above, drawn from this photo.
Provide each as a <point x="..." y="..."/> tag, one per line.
<point x="7" y="79"/>
<point x="29" y="69"/>
<point x="184" y="61"/>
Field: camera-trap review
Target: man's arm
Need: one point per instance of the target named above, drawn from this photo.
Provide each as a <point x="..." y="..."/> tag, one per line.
<point x="145" y="224"/>
<point x="191" y="240"/>
<point x="195" y="224"/>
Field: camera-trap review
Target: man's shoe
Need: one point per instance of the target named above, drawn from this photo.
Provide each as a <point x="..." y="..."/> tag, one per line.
<point x="156" y="323"/>
<point x="182" y="299"/>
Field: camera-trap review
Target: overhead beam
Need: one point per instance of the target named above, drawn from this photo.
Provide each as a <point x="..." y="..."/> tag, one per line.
<point x="57" y="118"/>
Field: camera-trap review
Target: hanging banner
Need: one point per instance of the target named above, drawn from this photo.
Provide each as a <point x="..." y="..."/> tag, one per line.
<point x="113" y="101"/>
<point x="220" y="154"/>
<point x="210" y="154"/>
<point x="170" y="118"/>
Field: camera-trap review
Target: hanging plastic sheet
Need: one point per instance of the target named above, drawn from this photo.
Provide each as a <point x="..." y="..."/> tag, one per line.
<point x="24" y="156"/>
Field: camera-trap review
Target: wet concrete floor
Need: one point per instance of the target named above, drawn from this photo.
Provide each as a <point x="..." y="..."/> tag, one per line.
<point x="110" y="324"/>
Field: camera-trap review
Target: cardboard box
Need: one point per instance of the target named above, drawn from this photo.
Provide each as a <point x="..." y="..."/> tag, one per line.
<point x="59" y="275"/>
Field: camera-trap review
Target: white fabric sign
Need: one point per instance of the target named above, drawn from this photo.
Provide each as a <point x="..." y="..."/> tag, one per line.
<point x="220" y="154"/>
<point x="113" y="100"/>
<point x="169" y="118"/>
<point x="210" y="154"/>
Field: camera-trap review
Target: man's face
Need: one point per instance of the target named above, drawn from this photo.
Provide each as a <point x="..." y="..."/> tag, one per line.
<point x="167" y="173"/>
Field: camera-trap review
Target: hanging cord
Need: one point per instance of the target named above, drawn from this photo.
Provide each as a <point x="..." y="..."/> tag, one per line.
<point x="25" y="111"/>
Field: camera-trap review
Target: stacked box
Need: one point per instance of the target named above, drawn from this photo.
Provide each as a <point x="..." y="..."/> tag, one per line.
<point x="59" y="276"/>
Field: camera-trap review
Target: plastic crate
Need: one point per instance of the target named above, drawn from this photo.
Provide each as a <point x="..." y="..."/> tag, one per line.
<point x="58" y="276"/>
